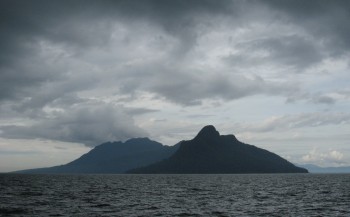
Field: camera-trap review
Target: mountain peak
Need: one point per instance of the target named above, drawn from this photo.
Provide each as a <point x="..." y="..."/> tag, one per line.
<point x="210" y="152"/>
<point x="139" y="139"/>
<point x="208" y="131"/>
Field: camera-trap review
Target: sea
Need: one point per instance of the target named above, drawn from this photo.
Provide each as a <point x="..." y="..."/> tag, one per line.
<point x="175" y="195"/>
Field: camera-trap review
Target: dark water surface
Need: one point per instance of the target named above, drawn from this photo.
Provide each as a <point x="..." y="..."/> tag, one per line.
<point x="175" y="195"/>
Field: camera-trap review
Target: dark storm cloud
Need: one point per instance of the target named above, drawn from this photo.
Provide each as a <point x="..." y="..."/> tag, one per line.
<point x="325" y="20"/>
<point x="24" y="26"/>
<point x="293" y="52"/>
<point x="56" y="53"/>
<point x="80" y="24"/>
<point x="77" y="25"/>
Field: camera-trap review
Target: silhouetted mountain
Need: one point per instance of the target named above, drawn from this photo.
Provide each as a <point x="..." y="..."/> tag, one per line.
<point x="317" y="169"/>
<point x="209" y="152"/>
<point x="114" y="157"/>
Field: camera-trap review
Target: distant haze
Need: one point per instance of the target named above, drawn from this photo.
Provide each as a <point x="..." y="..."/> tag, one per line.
<point x="75" y="74"/>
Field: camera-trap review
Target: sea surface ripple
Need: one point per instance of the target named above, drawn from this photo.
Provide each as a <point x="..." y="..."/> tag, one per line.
<point x="175" y="195"/>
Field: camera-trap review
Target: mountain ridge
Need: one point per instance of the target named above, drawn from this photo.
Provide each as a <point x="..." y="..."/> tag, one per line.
<point x="210" y="152"/>
<point x="207" y="152"/>
<point x="113" y="157"/>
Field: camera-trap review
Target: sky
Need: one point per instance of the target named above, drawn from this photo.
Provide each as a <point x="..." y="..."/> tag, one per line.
<point x="75" y="74"/>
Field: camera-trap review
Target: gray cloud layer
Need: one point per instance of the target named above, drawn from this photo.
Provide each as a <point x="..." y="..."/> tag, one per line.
<point x="297" y="121"/>
<point x="60" y="55"/>
<point x="90" y="125"/>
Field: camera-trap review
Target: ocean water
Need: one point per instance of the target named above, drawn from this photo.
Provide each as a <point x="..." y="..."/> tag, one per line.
<point x="175" y="195"/>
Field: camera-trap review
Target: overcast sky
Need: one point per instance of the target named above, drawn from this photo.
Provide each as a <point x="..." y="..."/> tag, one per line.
<point x="75" y="74"/>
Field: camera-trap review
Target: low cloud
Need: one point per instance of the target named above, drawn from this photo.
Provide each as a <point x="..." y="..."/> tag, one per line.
<point x="333" y="157"/>
<point x="90" y="125"/>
